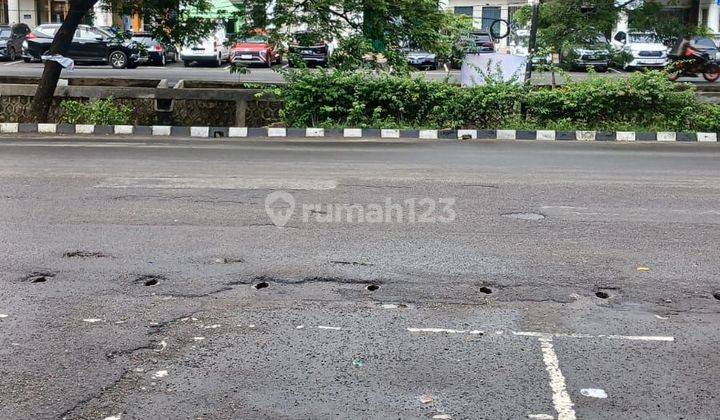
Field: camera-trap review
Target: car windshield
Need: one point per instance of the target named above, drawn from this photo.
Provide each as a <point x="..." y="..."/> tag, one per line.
<point x="644" y="38"/>
<point x="253" y="40"/>
<point x="4" y="33"/>
<point x="145" y="40"/>
<point x="47" y="30"/>
<point x="704" y="43"/>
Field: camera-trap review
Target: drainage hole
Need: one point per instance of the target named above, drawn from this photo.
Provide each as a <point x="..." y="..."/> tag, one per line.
<point x="602" y="295"/>
<point x="38" y="279"/>
<point x="486" y="290"/>
<point x="151" y="282"/>
<point x="716" y="295"/>
<point x="260" y="285"/>
<point x="372" y="287"/>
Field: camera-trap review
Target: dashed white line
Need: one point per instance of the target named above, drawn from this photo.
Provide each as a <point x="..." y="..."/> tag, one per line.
<point x="611" y="336"/>
<point x="561" y="399"/>
<point x="324" y="327"/>
<point x="444" y="330"/>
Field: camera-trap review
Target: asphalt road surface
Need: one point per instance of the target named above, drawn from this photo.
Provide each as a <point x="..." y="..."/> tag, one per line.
<point x="147" y="280"/>
<point x="176" y="72"/>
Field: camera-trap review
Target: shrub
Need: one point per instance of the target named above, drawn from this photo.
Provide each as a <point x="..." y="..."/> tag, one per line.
<point x="340" y="99"/>
<point x="96" y="112"/>
<point x="643" y="101"/>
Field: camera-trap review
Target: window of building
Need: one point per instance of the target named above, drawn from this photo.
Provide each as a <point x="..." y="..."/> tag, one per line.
<point x="489" y="15"/>
<point x="4" y="12"/>
<point x="51" y="11"/>
<point x="464" y="10"/>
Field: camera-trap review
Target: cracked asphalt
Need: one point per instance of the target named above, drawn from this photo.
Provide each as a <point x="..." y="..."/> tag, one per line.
<point x="145" y="280"/>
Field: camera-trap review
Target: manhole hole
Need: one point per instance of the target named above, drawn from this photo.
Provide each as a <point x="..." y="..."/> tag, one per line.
<point x="716" y="295"/>
<point x="39" y="277"/>
<point x="372" y="287"/>
<point x="486" y="290"/>
<point x="524" y="216"/>
<point x="261" y="285"/>
<point x="602" y="294"/>
<point x="149" y="280"/>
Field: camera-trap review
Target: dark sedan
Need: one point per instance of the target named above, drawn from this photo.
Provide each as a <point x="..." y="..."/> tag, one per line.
<point x="159" y="53"/>
<point x="89" y="45"/>
<point x="11" y="39"/>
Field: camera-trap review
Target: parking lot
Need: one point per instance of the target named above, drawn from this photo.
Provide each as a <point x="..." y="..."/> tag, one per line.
<point x="174" y="72"/>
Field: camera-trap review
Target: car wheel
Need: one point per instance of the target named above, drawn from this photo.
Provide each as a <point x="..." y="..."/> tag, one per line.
<point x="118" y="60"/>
<point x="186" y="63"/>
<point x="27" y="59"/>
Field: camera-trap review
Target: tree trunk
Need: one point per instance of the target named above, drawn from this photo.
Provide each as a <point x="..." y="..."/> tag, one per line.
<point x="45" y="92"/>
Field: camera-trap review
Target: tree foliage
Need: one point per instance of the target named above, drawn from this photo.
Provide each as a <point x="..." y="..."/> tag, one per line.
<point x="564" y="23"/>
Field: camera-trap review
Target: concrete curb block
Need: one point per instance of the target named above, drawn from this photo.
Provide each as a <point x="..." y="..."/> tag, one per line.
<point x="200" y="132"/>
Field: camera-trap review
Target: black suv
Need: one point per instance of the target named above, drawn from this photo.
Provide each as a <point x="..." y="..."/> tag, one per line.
<point x="89" y="45"/>
<point x="310" y="48"/>
<point x="11" y="39"/>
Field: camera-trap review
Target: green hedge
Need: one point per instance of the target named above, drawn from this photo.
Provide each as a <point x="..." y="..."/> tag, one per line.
<point x="644" y="101"/>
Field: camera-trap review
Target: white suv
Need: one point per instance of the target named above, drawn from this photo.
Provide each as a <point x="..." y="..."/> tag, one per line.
<point x="213" y="50"/>
<point x="645" y="48"/>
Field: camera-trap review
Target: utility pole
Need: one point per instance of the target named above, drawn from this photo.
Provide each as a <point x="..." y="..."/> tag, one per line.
<point x="532" y="43"/>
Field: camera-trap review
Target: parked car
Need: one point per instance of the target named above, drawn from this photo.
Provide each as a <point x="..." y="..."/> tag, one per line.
<point x="311" y="49"/>
<point x="706" y="46"/>
<point x="255" y="49"/>
<point x="519" y="42"/>
<point x="593" y="53"/>
<point x="89" y="45"/>
<point x="159" y="53"/>
<point x="211" y="50"/>
<point x="11" y="39"/>
<point x="482" y="41"/>
<point x="422" y="60"/>
<point x="644" y="49"/>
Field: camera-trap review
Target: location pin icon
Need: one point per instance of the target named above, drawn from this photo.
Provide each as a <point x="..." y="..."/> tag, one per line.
<point x="280" y="207"/>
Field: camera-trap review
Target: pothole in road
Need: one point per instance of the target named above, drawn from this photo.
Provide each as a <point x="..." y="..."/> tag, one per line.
<point x="260" y="285"/>
<point x="39" y="277"/>
<point x="84" y="254"/>
<point x="524" y="216"/>
<point x="150" y="280"/>
<point x="372" y="287"/>
<point x="716" y="295"/>
<point x="486" y="290"/>
<point x="602" y="294"/>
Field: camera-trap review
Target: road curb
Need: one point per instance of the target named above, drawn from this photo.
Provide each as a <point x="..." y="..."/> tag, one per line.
<point x="208" y="132"/>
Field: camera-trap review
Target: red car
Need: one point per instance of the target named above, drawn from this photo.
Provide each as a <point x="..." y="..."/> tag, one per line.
<point x="255" y="49"/>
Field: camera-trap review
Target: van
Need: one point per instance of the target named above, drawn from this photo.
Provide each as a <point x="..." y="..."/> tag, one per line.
<point x="211" y="50"/>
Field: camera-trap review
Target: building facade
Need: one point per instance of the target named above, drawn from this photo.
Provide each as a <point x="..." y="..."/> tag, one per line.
<point x="705" y="13"/>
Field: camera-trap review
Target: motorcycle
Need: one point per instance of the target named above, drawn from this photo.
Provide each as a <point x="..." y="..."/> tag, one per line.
<point x="690" y="63"/>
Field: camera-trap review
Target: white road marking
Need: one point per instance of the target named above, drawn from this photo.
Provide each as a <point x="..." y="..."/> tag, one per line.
<point x="115" y="417"/>
<point x="324" y="327"/>
<point x="561" y="399"/>
<point x="92" y="320"/>
<point x="218" y="183"/>
<point x="611" y="337"/>
<point x="198" y="338"/>
<point x="436" y="330"/>
<point x="541" y="416"/>
<point x="3" y="316"/>
<point x="160" y="374"/>
<point x="594" y="393"/>
<point x="12" y="63"/>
